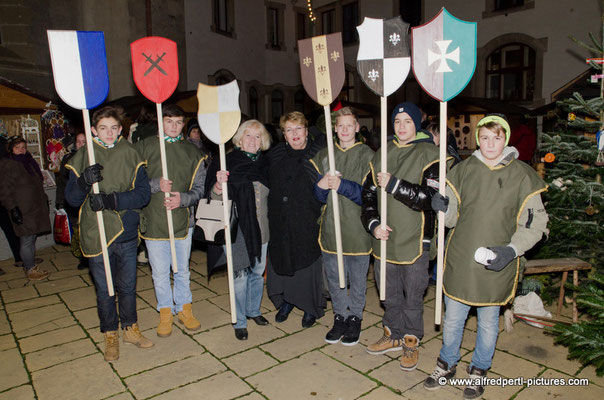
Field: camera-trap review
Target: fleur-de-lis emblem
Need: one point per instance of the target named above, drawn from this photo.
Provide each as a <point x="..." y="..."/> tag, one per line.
<point x="324" y="92"/>
<point x="373" y="75"/>
<point x="307" y="61"/>
<point x="335" y="55"/>
<point x="321" y="69"/>
<point x="319" y="47"/>
<point x="395" y="38"/>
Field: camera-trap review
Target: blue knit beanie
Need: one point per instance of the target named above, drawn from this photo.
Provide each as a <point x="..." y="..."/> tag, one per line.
<point x="414" y="112"/>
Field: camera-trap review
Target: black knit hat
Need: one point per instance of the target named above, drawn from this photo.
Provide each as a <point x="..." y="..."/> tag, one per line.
<point x="412" y="110"/>
<point x="192" y="124"/>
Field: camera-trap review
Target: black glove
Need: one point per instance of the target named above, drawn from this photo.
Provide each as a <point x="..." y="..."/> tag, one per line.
<point x="102" y="201"/>
<point x="440" y="202"/>
<point x="89" y="176"/>
<point x="504" y="255"/>
<point x="16" y="216"/>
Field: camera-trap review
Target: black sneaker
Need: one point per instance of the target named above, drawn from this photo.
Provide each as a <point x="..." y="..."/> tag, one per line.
<point x="353" y="331"/>
<point x="336" y="333"/>
<point x="474" y="390"/>
<point x="442" y="370"/>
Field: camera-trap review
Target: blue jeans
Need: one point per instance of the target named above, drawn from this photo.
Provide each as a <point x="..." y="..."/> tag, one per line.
<point x="160" y="258"/>
<point x="456" y="314"/>
<point x="27" y="251"/>
<point x="355" y="271"/>
<point x="249" y="285"/>
<point x="122" y="258"/>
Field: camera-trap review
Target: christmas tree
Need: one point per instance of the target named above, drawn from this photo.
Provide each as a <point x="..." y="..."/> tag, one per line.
<point x="574" y="202"/>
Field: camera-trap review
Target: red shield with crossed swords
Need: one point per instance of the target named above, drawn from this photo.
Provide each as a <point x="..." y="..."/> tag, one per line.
<point x="155" y="67"/>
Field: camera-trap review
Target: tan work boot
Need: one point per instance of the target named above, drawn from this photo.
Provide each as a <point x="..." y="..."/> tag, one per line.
<point x="186" y="317"/>
<point x="385" y="344"/>
<point x="133" y="335"/>
<point x="164" y="329"/>
<point x="37" y="274"/>
<point x="112" y="346"/>
<point x="410" y="353"/>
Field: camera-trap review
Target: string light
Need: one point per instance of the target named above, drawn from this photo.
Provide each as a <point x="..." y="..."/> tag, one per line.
<point x="311" y="15"/>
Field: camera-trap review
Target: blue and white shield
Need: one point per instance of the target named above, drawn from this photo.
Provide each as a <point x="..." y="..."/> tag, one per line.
<point x="444" y="55"/>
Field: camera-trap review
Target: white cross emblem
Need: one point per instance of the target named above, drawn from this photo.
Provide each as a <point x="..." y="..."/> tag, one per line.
<point x="395" y="38"/>
<point x="443" y="56"/>
<point x="373" y="75"/>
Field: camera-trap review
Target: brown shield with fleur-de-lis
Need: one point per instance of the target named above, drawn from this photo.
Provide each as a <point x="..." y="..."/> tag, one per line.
<point x="322" y="67"/>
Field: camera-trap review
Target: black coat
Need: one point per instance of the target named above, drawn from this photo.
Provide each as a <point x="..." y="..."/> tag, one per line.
<point x="293" y="211"/>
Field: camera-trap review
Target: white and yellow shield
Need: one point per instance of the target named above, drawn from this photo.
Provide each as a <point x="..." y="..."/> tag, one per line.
<point x="219" y="113"/>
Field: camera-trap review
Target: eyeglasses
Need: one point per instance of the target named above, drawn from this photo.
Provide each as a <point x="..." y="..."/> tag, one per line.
<point x="298" y="129"/>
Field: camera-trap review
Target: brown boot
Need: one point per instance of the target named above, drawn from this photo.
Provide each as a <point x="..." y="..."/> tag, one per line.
<point x="164" y="329"/>
<point x="112" y="346"/>
<point x="385" y="344"/>
<point x="410" y="353"/>
<point x="133" y="335"/>
<point x="37" y="274"/>
<point x="186" y="317"/>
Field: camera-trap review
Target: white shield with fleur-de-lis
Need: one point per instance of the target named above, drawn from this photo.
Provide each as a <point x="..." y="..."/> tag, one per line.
<point x="383" y="60"/>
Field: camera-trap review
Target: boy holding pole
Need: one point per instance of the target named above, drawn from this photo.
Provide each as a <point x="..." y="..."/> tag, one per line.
<point x="187" y="177"/>
<point x="124" y="190"/>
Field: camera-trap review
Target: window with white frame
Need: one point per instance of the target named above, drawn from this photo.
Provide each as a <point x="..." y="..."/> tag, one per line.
<point x="510" y="73"/>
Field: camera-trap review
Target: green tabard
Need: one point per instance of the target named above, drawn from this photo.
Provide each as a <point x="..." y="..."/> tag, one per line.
<point x="183" y="160"/>
<point x="408" y="162"/>
<point x="490" y="203"/>
<point x="120" y="166"/>
<point x="352" y="164"/>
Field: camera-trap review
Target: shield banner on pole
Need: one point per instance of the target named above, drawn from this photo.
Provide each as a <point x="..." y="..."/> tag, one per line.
<point x="155" y="67"/>
<point x="322" y="67"/>
<point x="79" y="66"/>
<point x="383" y="60"/>
<point x="219" y="113"/>
<point x="444" y="55"/>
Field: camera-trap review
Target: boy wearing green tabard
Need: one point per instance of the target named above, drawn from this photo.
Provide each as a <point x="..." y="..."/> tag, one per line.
<point x="410" y="183"/>
<point x="186" y="173"/>
<point x="351" y="160"/>
<point x="494" y="203"/>
<point x="124" y="190"/>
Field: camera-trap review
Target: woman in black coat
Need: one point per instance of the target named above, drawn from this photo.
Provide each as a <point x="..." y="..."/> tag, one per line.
<point x="22" y="194"/>
<point x="295" y="269"/>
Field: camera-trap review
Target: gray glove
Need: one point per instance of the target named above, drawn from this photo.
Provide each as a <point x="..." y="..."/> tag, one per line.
<point x="504" y="255"/>
<point x="439" y="202"/>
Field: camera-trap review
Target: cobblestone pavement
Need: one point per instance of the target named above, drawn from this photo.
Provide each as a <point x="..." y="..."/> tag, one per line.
<point x="51" y="348"/>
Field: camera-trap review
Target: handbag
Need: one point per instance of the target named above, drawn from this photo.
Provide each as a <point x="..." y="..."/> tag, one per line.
<point x="62" y="228"/>
<point x="209" y="224"/>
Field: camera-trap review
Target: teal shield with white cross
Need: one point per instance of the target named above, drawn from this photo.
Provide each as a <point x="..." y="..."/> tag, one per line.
<point x="444" y="55"/>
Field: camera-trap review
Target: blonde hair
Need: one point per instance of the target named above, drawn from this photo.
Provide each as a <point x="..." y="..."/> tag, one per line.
<point x="265" y="137"/>
<point x="295" y="117"/>
<point x="346" y="111"/>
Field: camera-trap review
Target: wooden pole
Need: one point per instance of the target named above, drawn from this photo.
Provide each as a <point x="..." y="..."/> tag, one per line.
<point x="99" y="214"/>
<point x="442" y="178"/>
<point x="334" y="197"/>
<point x="227" y="237"/>
<point x="164" y="172"/>
<point x="383" y="205"/>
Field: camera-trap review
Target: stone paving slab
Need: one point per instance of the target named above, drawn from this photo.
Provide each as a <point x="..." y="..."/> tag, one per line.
<point x="589" y="372"/>
<point x="7" y="342"/>
<point x="40" y="319"/>
<point x="221" y="341"/>
<point x="301" y="378"/>
<point x="20" y="293"/>
<point x="25" y="392"/>
<point x="382" y="393"/>
<point x="222" y="387"/>
<point x="12" y="370"/>
<point x="355" y="356"/>
<point x="52" y="338"/>
<point x="297" y="343"/>
<point x="33" y="303"/>
<point x="4" y="325"/>
<point x="58" y="354"/>
<point x="89" y="318"/>
<point x="210" y="315"/>
<point x="62" y="285"/>
<point x="79" y="299"/>
<point x="249" y="362"/>
<point x="591" y="392"/>
<point x="391" y="375"/>
<point x="155" y="381"/>
<point x="166" y="350"/>
<point x="90" y="377"/>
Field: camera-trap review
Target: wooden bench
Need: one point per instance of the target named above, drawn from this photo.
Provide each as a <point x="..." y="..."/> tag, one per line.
<point x="564" y="265"/>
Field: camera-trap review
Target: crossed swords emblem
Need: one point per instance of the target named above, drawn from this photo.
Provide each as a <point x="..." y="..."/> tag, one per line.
<point x="155" y="64"/>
